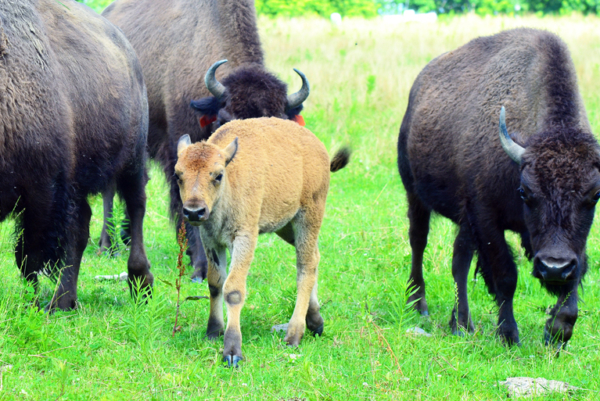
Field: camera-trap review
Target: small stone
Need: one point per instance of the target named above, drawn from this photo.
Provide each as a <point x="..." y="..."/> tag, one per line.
<point x="418" y="332"/>
<point x="117" y="277"/>
<point x="279" y="328"/>
<point x="528" y="387"/>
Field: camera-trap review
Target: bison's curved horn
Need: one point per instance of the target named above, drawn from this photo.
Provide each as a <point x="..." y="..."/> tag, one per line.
<point x="296" y="99"/>
<point x="214" y="86"/>
<point x="513" y="149"/>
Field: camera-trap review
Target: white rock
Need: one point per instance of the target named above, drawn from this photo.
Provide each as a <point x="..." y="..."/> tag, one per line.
<point x="528" y="387"/>
<point x="117" y="277"/>
<point x="418" y="332"/>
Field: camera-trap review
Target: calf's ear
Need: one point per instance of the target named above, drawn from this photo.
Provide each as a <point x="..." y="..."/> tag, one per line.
<point x="183" y="143"/>
<point x="230" y="151"/>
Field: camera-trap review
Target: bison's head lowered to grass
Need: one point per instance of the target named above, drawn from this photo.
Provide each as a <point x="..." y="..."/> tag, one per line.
<point x="248" y="93"/>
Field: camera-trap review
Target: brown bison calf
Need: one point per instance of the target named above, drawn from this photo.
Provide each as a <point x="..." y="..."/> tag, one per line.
<point x="251" y="177"/>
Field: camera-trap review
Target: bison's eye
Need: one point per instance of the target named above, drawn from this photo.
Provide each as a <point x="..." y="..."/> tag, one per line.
<point x="218" y="178"/>
<point x="596" y="197"/>
<point x="522" y="194"/>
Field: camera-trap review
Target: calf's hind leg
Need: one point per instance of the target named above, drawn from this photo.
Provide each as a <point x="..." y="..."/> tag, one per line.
<point x="314" y="321"/>
<point x="418" y="215"/>
<point x="306" y="311"/>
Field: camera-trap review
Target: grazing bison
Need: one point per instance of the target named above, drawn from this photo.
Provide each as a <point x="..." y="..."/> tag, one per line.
<point x="542" y="182"/>
<point x="177" y="42"/>
<point x="251" y="177"/>
<point x="73" y="121"/>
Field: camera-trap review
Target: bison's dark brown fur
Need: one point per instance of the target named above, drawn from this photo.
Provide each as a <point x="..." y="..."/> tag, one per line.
<point x="452" y="162"/>
<point x="177" y="41"/>
<point x="73" y="121"/>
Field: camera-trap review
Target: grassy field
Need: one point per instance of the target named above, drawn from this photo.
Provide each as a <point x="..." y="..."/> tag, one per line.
<point x="360" y="75"/>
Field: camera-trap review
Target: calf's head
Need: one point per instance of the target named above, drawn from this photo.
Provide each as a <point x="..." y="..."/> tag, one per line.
<point x="560" y="186"/>
<point x="202" y="175"/>
<point x="248" y="92"/>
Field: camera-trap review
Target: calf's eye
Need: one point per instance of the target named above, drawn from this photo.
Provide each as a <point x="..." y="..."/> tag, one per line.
<point x="218" y="178"/>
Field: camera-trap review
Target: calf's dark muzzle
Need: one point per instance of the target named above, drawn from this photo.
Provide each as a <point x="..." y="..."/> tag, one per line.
<point x="195" y="213"/>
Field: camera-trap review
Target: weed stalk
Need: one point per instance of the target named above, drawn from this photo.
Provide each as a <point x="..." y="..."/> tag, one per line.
<point x="183" y="243"/>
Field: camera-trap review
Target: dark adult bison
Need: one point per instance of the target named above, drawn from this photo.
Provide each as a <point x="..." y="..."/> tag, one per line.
<point x="544" y="184"/>
<point x="73" y="121"/>
<point x="177" y="42"/>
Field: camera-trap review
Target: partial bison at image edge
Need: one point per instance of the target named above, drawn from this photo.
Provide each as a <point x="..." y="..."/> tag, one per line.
<point x="255" y="176"/>
<point x="73" y="122"/>
<point x="456" y="158"/>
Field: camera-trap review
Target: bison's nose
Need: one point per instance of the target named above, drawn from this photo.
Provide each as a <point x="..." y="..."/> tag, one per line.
<point x="551" y="268"/>
<point x="195" y="214"/>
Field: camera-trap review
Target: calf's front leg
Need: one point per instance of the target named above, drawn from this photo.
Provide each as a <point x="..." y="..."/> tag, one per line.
<point x="234" y="291"/>
<point x="217" y="273"/>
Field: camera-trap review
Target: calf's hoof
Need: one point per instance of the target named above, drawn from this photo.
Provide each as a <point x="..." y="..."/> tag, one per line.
<point x="232" y="360"/>
<point x="315" y="323"/>
<point x="294" y="335"/>
<point x="232" y="349"/>
<point x="214" y="329"/>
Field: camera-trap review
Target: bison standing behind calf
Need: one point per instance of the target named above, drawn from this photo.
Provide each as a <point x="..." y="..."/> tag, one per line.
<point x="179" y="43"/>
<point x="251" y="177"/>
<point x="542" y="182"/>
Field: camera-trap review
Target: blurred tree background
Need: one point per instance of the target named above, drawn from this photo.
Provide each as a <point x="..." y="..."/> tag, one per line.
<point x="372" y="8"/>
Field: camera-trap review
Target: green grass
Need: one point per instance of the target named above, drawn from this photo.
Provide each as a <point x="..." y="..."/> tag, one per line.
<point x="112" y="348"/>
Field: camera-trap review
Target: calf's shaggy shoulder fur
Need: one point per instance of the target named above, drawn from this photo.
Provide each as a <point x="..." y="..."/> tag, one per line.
<point x="251" y="177"/>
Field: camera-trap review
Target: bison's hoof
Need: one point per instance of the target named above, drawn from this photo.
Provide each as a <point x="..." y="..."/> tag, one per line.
<point x="425" y="312"/>
<point x="199" y="275"/>
<point x="232" y="360"/>
<point x="554" y="341"/>
<point x="64" y="303"/>
<point x="510" y="339"/>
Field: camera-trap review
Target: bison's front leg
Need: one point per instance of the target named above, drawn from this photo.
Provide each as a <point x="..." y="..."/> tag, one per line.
<point x="559" y="328"/>
<point x="234" y="292"/>
<point x="496" y="254"/>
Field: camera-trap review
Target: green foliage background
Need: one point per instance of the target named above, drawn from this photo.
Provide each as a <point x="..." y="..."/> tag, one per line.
<point x="371" y="8"/>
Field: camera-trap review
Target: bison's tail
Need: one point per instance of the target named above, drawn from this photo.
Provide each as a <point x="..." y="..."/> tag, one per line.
<point x="340" y="160"/>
